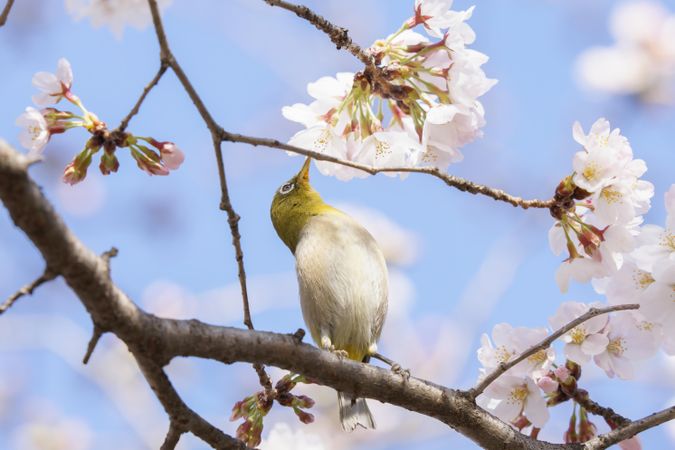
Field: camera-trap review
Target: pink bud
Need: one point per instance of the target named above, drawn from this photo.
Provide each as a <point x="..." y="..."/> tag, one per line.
<point x="562" y="373"/>
<point x="172" y="156"/>
<point x="71" y="175"/>
<point x="547" y="384"/>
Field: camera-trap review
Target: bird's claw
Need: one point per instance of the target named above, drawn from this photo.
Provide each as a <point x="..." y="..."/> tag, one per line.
<point x="398" y="370"/>
<point x="342" y="354"/>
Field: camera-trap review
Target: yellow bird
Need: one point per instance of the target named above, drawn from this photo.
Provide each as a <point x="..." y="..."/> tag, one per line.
<point x="342" y="275"/>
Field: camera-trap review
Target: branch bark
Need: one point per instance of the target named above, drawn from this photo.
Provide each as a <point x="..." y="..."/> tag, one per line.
<point x="155" y="341"/>
<point x="5" y="12"/>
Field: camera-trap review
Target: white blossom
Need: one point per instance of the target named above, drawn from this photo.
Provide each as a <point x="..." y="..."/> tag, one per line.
<point x="53" y="86"/>
<point x="586" y="339"/>
<point x="628" y="342"/>
<point x="114" y="14"/>
<point x="431" y="90"/>
<point x="35" y="132"/>
<point x="517" y="396"/>
<point x="509" y="343"/>
<point x="658" y="302"/>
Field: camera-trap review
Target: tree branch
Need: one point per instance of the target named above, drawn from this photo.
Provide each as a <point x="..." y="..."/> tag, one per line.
<point x="28" y="289"/>
<point x="5" y="12"/>
<point x="630" y="429"/>
<point x="172" y="438"/>
<point x="125" y="122"/>
<point x="546" y="343"/>
<point x="338" y="35"/>
<point x="451" y="180"/>
<point x="582" y="398"/>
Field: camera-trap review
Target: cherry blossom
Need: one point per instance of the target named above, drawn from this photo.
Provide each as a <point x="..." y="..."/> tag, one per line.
<point x="510" y="342"/>
<point x="54" y="86"/>
<point x="586" y="339"/>
<point x="515" y="396"/>
<point x="430" y="88"/>
<point x="35" y="133"/>
<point x="605" y="200"/>
<point x="627" y="342"/>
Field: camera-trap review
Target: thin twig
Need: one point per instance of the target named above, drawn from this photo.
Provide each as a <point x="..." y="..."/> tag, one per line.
<point x="544" y="344"/>
<point x="338" y="35"/>
<point x="172" y="438"/>
<point x="630" y="429"/>
<point x="451" y="180"/>
<point x="27" y="289"/>
<point x="96" y="335"/>
<point x="125" y="122"/>
<point x="582" y="398"/>
<point x="5" y="12"/>
<point x="216" y="131"/>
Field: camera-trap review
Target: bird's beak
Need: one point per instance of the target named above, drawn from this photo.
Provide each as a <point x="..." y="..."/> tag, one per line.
<point x="303" y="175"/>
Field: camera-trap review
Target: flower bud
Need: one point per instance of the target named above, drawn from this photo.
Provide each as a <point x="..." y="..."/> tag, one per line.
<point x="148" y="161"/>
<point x="76" y="170"/>
<point x="547" y="384"/>
<point x="304" y="417"/>
<point x="574" y="368"/>
<point x="109" y="163"/>
<point x="302" y="401"/>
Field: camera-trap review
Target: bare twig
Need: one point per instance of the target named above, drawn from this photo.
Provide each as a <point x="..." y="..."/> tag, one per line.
<point x="125" y="122"/>
<point x="172" y="438"/>
<point x="338" y="35"/>
<point x="95" y="337"/>
<point x="27" y="289"/>
<point x="5" y="12"/>
<point x="582" y="398"/>
<point x="630" y="429"/>
<point x="545" y="343"/>
<point x="450" y="180"/>
<point x="216" y="131"/>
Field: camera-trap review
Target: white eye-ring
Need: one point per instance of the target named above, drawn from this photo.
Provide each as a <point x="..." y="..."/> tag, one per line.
<point x="286" y="188"/>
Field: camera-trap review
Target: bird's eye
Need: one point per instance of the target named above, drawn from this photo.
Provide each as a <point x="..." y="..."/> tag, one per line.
<point x="286" y="188"/>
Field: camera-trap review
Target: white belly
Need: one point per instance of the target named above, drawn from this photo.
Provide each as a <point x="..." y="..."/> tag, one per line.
<point x="343" y="282"/>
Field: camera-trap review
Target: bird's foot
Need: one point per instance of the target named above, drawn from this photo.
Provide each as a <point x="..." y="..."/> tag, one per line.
<point x="395" y="367"/>
<point x="398" y="370"/>
<point x="342" y="354"/>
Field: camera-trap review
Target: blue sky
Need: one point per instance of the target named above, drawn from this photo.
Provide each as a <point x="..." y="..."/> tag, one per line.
<point x="247" y="60"/>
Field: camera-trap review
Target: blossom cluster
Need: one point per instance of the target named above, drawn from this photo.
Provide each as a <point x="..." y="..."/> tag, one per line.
<point x="254" y="408"/>
<point x="38" y="126"/>
<point x="642" y="60"/>
<point x="600" y="206"/>
<point x="417" y="108"/>
<point x="524" y="393"/>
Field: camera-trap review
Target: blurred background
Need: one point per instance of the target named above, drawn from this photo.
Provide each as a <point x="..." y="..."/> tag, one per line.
<point x="459" y="264"/>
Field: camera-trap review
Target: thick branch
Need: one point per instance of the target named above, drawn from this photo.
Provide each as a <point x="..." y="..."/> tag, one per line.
<point x="27" y="289"/>
<point x="155" y="341"/>
<point x="451" y="180"/>
<point x="546" y="343"/>
<point x="5" y="12"/>
<point x="338" y="35"/>
<point x="630" y="429"/>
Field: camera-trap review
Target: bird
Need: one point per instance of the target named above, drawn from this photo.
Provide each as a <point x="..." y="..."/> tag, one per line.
<point x="342" y="277"/>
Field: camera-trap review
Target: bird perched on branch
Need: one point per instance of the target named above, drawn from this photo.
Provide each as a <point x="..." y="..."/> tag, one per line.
<point x="342" y="276"/>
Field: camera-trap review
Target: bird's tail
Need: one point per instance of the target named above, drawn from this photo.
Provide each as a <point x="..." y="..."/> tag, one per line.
<point x="354" y="412"/>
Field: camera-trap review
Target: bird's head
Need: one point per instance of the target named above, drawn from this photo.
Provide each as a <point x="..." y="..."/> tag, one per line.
<point x="294" y="203"/>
